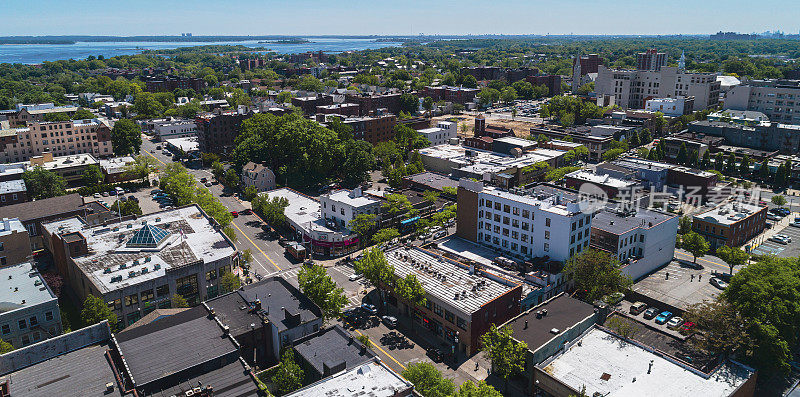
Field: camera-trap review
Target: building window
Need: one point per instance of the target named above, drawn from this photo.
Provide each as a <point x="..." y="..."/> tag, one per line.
<point x="524" y="225"/>
<point x="33" y="321"/>
<point x="26" y="340"/>
<point x="147" y="295"/>
<point x="461" y="323"/>
<point x="116" y="304"/>
<point x="22" y="324"/>
<point x="506" y="208"/>
<point x="132" y="299"/>
<point x="6" y="329"/>
<point x="524" y="237"/>
<point x="546" y="247"/>
<point x="547" y="235"/>
<point x="162" y="290"/>
<point x="211" y="275"/>
<point x="526" y="214"/>
<point x="547" y="221"/>
<point x="48" y="316"/>
<point x="449" y="316"/>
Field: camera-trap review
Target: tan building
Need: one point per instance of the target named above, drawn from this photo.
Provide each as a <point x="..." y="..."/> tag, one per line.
<point x="15" y="245"/>
<point x="60" y="138"/>
<point x="632" y="88"/>
<point x="730" y="224"/>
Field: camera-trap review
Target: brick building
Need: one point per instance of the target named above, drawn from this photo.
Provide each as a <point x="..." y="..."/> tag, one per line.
<point x="460" y="95"/>
<point x="309" y="104"/>
<point x="552" y="82"/>
<point x="216" y="133"/>
<point x="731" y="224"/>
<point x="370" y="103"/>
<point x="170" y="83"/>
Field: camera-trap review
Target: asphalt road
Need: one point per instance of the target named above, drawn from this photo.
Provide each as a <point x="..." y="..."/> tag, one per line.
<point x="268" y="255"/>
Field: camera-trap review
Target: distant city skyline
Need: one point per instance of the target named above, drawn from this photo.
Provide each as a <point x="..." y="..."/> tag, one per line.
<point x="360" y="17"/>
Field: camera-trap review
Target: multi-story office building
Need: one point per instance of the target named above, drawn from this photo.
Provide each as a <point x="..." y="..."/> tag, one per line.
<point x="30" y="309"/>
<point x="460" y="302"/>
<point x="731" y="224"/>
<point x="15" y="245"/>
<point x="137" y="265"/>
<point x="522" y="226"/>
<point x="651" y="60"/>
<point x="216" y="132"/>
<point x="632" y="88"/>
<point x="60" y="138"/>
<point x="642" y="240"/>
<point x="778" y="99"/>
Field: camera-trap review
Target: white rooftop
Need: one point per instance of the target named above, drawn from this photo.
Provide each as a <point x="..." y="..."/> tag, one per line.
<point x="14" y="186"/>
<point x="552" y="203"/>
<point x="115" y="165"/>
<point x="444" y="278"/>
<point x="354" y="198"/>
<point x="603" y="355"/>
<point x="11" y="225"/>
<point x="110" y="255"/>
<point x="22" y="287"/>
<point x="187" y="144"/>
<point x="729" y="213"/>
<point x="302" y="209"/>
<point x="606" y="180"/>
<point x="373" y="379"/>
<point x="73" y="160"/>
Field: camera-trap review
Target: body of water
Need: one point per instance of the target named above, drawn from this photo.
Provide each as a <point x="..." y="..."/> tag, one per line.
<point x="37" y="53"/>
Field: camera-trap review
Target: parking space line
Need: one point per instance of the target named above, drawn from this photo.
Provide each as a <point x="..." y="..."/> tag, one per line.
<point x="384" y="352"/>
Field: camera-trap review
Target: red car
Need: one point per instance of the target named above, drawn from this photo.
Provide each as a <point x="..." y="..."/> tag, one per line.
<point x="235" y="214"/>
<point x="687" y="326"/>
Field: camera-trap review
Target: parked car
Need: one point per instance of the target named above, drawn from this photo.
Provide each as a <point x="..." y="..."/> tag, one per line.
<point x="774" y="217"/>
<point x="97" y="195"/>
<point x="687" y="326"/>
<point x="675" y="322"/>
<point x="104" y="194"/>
<point x="780" y="239"/>
<point x="355" y="277"/>
<point x="650" y="313"/>
<point x="785" y="237"/>
<point x="246" y="211"/>
<point x="390" y="321"/>
<point x="440" y="234"/>
<point x="637" y="308"/>
<point x="796" y="222"/>
<point x="208" y="184"/>
<point x="158" y="147"/>
<point x="235" y="214"/>
<point x="369" y="308"/>
<point x="203" y="180"/>
<point x="719" y="283"/>
<point x="663" y="317"/>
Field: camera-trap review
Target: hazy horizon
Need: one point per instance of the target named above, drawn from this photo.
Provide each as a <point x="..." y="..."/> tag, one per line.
<point x="359" y="17"/>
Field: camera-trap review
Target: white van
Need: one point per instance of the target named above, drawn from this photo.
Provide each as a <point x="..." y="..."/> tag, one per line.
<point x="119" y="190"/>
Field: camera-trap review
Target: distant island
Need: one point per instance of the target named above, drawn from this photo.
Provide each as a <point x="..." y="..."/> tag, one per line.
<point x="285" y="41"/>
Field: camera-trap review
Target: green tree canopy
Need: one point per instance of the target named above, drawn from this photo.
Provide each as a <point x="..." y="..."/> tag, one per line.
<point x="289" y="375"/>
<point x="385" y="235"/>
<point x="695" y="244"/>
<point x="93" y="176"/>
<point x="596" y="274"/>
<point x="428" y="381"/>
<point x="126" y="137"/>
<point x="321" y="289"/>
<point x="42" y="183"/>
<point x="96" y="310"/>
<point x="83" y="114"/>
<point x="507" y="355"/>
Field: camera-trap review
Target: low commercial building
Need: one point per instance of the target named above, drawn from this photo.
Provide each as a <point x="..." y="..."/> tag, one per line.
<point x="258" y="176"/>
<point x="330" y="351"/>
<point x="137" y="265"/>
<point x="13" y="192"/>
<point x="546" y="327"/>
<point x="373" y="378"/>
<point x="116" y="169"/>
<point x="673" y="107"/>
<point x="522" y="225"/>
<point x="71" y="168"/>
<point x="596" y="144"/>
<point x="612" y="186"/>
<point x="341" y="206"/>
<point x="769" y="136"/>
<point x="441" y="134"/>
<point x="174" y="128"/>
<point x="673" y="145"/>
<point x="304" y="217"/>
<point x="33" y="214"/>
<point x="731" y="224"/>
<point x="642" y="240"/>
<point x="30" y="311"/>
<point x="189" y="145"/>
<point x="373" y="129"/>
<point x="429" y="181"/>
<point x="693" y="181"/>
<point x="651" y="174"/>
<point x="15" y="245"/>
<point x="460" y="303"/>
<point x="606" y="364"/>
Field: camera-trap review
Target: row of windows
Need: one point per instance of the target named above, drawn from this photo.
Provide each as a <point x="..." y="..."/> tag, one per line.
<point x="24" y="324"/>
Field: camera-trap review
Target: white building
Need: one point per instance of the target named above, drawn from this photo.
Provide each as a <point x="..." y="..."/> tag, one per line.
<point x="441" y="134"/>
<point x="373" y="379"/>
<point x="632" y="88"/>
<point x="642" y="241"/>
<point x="28" y="308"/>
<point x="259" y="176"/>
<point x="778" y="99"/>
<point x="546" y="223"/>
<point x="674" y="107"/>
<point x="174" y="128"/>
<point x="342" y="206"/>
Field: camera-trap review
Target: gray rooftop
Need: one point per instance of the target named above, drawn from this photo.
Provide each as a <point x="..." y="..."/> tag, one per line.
<point x="42" y="208"/>
<point x="22" y="286"/>
<point x="444" y="278"/>
<point x="373" y="379"/>
<point x="15" y="186"/>
<point x="332" y="347"/>
<point x="563" y="312"/>
<point x="433" y="180"/>
<point x="620" y="224"/>
<point x="276" y="293"/>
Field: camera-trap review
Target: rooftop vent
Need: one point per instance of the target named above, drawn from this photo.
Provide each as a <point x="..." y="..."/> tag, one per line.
<point x="555" y="331"/>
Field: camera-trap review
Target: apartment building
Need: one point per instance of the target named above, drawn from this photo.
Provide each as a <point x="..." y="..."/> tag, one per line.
<point x="642" y="240"/>
<point x="342" y="206"/>
<point x="15" y="245"/>
<point x="309" y="104"/>
<point x="30" y="309"/>
<point x="216" y="132"/>
<point x="582" y="67"/>
<point x="461" y="303"/>
<point x="169" y="83"/>
<point x="453" y="94"/>
<point x="344" y="109"/>
<point x="25" y="114"/>
<point x="731" y="224"/>
<point x="441" y="134"/>
<point x="60" y="138"/>
<point x="13" y="192"/>
<point x="612" y="186"/>
<point x="137" y="265"/>
<point x="522" y="225"/>
<point x="373" y="129"/>
<point x="370" y="103"/>
<point x="552" y="82"/>
<point x="778" y="99"/>
<point x="631" y="89"/>
<point x="651" y="60"/>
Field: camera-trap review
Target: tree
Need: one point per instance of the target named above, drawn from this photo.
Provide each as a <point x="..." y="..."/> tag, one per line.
<point x="488" y="96"/>
<point x="375" y="268"/>
<point x="92" y="176"/>
<point x="586" y="88"/>
<point x="683" y="154"/>
<point x="141" y="167"/>
<point x="231" y="233"/>
<point x="730" y="166"/>
<point x="250" y="192"/>
<point x="744" y="165"/>
<point x="622" y="326"/>
<point x="706" y="162"/>
<point x="719" y="162"/>
<point x="271" y="209"/>
<point x="427" y="103"/>
<point x="695" y="244"/>
<point x="5" y="347"/>
<point x="42" y="183"/>
<point x="364" y="339"/>
<point x="469" y="81"/>
<point x="145" y="104"/>
<point x="778" y="200"/>
<point x="763" y="170"/>
<point x="363" y="224"/>
<point x="127" y="207"/>
<point x="178" y="301"/>
<point x="289" y="375"/>
<point x="396" y="204"/>
<point x="481" y="389"/>
<point x="722" y="325"/>
<point x="59" y="116"/>
<point x="596" y="274"/>
<point x="428" y="381"/>
<point x="95" y="310"/>
<point x="229" y="282"/>
<point x="430" y="196"/>
<point x="321" y="289"/>
<point x="385" y="235"/>
<point x="508" y="95"/>
<point x="409" y="103"/>
<point x="231" y="178"/>
<point x="126" y="137"/>
<point x="733" y="256"/>
<point x="684" y="224"/>
<point x="83" y="114"/>
<point x="506" y="354"/>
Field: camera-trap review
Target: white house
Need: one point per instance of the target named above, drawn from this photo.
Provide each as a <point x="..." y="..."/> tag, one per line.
<point x="258" y="175"/>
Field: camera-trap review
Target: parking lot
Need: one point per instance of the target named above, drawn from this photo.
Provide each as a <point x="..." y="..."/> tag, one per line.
<point x="769" y="247"/>
<point x="146" y="202"/>
<point x="679" y="285"/>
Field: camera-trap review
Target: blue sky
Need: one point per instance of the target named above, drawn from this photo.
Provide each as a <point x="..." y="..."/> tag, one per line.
<point x="308" y="17"/>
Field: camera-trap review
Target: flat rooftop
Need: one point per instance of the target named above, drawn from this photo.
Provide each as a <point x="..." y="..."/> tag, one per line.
<point x="11" y="225"/>
<point x="444" y="278"/>
<point x="729" y="213"/>
<point x="351" y="198"/>
<point x="373" y="379"/>
<point x="189" y="237"/>
<point x="74" y="160"/>
<point x="636" y="163"/>
<point x="15" y="186"/>
<point x="39" y="209"/>
<point x="187" y="144"/>
<point x="546" y="200"/>
<point x="606" y="180"/>
<point x="563" y="312"/>
<point x="22" y="287"/>
<point x="516" y="141"/>
<point x="620" y="224"/>
<point x="331" y="347"/>
<point x="607" y="364"/>
<point x="433" y="180"/>
<point x="277" y="294"/>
